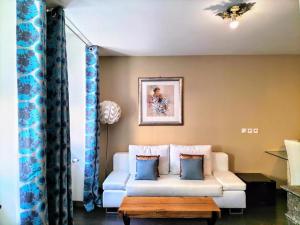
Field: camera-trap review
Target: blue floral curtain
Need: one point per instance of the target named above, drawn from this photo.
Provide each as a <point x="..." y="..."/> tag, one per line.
<point x="31" y="59"/>
<point x="60" y="208"/>
<point x="44" y="143"/>
<point x="92" y="130"/>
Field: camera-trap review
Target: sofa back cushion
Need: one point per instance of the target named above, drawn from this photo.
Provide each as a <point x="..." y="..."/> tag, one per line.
<point x="161" y="150"/>
<point x="219" y="161"/>
<point x="176" y="150"/>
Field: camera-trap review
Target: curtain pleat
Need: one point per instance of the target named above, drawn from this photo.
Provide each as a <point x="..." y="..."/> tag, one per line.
<point x="58" y="125"/>
<point x="44" y="133"/>
<point x="92" y="130"/>
<point x="31" y="59"/>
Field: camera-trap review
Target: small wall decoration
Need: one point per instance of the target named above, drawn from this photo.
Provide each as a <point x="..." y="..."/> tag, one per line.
<point x="161" y="101"/>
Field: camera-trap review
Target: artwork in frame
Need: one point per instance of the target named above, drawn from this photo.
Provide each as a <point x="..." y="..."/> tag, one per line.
<point x="160" y="101"/>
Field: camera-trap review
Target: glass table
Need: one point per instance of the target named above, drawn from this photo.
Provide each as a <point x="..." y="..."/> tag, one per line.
<point x="282" y="154"/>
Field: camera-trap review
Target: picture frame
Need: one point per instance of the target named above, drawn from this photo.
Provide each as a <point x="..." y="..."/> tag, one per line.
<point x="160" y="101"/>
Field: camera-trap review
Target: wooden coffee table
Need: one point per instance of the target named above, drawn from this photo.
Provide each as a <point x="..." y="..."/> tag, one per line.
<point x="169" y="207"/>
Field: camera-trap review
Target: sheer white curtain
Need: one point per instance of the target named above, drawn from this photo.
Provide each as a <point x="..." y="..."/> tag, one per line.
<point x="76" y="69"/>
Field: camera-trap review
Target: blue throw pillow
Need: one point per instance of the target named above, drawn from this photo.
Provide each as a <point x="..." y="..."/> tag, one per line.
<point x="192" y="169"/>
<point x="146" y="169"/>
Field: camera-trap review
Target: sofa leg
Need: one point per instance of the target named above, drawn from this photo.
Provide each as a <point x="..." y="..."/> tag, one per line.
<point x="236" y="211"/>
<point x="111" y="210"/>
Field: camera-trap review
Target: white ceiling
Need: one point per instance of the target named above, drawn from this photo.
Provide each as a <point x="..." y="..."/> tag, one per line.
<point x="185" y="27"/>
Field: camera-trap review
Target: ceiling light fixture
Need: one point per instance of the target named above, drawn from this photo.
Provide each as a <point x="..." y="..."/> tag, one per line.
<point x="234" y="11"/>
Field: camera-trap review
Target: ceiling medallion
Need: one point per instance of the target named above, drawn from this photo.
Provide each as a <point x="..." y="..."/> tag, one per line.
<point x="235" y="11"/>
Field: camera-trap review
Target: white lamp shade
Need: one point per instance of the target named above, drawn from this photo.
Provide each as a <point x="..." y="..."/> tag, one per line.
<point x="110" y="112"/>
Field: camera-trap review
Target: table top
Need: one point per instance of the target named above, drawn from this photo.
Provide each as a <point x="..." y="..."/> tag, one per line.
<point x="170" y="207"/>
<point x="253" y="177"/>
<point x="279" y="154"/>
<point x="293" y="189"/>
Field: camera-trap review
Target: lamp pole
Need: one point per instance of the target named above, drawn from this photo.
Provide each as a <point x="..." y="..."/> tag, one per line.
<point x="106" y="152"/>
<point x="110" y="113"/>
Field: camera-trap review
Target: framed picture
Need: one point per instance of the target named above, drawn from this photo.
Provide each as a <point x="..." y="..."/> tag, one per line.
<point x="161" y="101"/>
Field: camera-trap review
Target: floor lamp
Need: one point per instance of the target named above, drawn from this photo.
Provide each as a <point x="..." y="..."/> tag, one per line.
<point x="110" y="113"/>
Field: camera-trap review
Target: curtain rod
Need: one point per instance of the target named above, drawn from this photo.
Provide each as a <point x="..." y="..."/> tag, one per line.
<point x="78" y="33"/>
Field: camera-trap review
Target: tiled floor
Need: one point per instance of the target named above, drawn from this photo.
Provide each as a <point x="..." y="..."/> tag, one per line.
<point x="263" y="215"/>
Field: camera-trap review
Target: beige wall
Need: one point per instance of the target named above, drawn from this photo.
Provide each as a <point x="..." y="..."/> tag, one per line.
<point x="222" y="94"/>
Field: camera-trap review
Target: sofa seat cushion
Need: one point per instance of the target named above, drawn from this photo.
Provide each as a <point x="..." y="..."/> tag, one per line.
<point x="172" y="185"/>
<point x="229" y="181"/>
<point x="116" y="181"/>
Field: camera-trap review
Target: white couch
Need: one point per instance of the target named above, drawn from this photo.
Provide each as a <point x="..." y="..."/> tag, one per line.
<point x="225" y="187"/>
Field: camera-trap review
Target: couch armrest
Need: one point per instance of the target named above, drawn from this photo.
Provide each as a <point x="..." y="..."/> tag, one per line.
<point x="116" y="180"/>
<point x="229" y="181"/>
<point x="121" y="161"/>
<point x="219" y="161"/>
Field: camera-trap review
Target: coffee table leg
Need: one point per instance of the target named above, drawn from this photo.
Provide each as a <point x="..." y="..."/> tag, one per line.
<point x="213" y="219"/>
<point x="126" y="220"/>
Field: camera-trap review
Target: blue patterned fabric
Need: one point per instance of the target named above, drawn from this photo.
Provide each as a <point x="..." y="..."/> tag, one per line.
<point x="60" y="207"/>
<point x="31" y="26"/>
<point x="192" y="169"/>
<point x="44" y="143"/>
<point x="91" y="196"/>
<point x="146" y="169"/>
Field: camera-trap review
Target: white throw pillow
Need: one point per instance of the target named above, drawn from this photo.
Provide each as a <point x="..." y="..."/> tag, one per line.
<point x="176" y="150"/>
<point x="162" y="150"/>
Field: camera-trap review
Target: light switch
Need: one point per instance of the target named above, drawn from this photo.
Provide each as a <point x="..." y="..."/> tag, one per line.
<point x="255" y="130"/>
<point x="244" y="130"/>
<point x="250" y="131"/>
